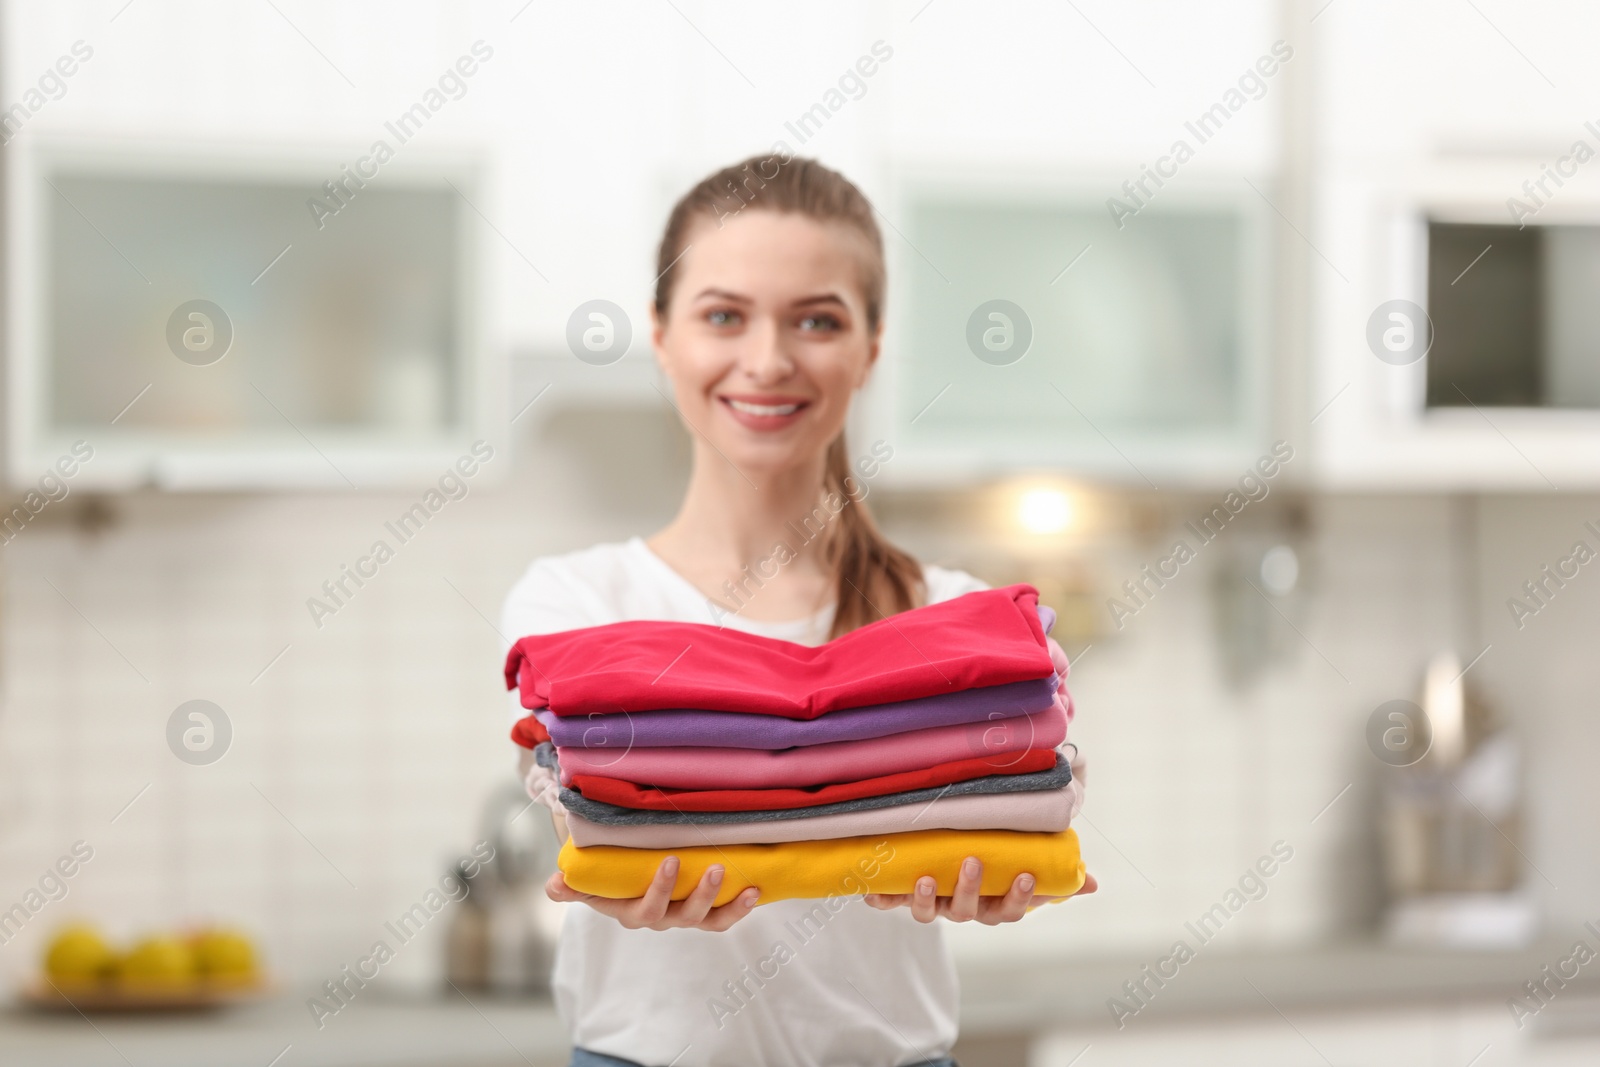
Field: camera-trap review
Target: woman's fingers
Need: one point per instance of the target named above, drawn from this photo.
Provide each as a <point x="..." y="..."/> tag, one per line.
<point x="1012" y="906"/>
<point x="720" y="918"/>
<point x="964" y="901"/>
<point x="694" y="907"/>
<point x="657" y="910"/>
<point x="557" y="889"/>
<point x="652" y="907"/>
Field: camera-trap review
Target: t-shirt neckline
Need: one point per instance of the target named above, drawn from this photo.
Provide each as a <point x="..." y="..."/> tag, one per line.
<point x="816" y="622"/>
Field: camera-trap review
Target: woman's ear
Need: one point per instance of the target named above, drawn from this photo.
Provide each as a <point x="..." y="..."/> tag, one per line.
<point x="658" y="330"/>
<point x="874" y="346"/>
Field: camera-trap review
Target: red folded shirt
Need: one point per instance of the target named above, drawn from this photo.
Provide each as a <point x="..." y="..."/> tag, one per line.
<point x="529" y="732"/>
<point x="985" y="638"/>
<point x="630" y="795"/>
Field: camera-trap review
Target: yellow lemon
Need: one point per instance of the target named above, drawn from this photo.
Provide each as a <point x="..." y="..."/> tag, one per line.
<point x="225" y="956"/>
<point x="78" y="954"/>
<point x="157" y="962"/>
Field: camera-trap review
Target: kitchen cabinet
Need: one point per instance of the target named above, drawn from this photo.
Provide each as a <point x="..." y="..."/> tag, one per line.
<point x="1432" y="117"/>
<point x="1435" y="79"/>
<point x="1086" y="85"/>
<point x="1402" y="420"/>
<point x="1036" y="331"/>
<point x="219" y="317"/>
<point x="1361" y="1003"/>
<point x="1071" y="292"/>
<point x="1479" y="1033"/>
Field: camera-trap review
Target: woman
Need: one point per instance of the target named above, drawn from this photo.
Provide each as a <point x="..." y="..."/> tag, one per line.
<point x="767" y="319"/>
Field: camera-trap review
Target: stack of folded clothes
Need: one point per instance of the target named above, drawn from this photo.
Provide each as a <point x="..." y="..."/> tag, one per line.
<point x="859" y="765"/>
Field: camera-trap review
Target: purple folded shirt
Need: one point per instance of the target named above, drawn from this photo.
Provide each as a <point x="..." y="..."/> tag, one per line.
<point x="732" y="729"/>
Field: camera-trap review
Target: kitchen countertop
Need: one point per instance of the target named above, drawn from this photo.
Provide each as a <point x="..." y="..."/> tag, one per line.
<point x="1017" y="998"/>
<point x="1043" y="995"/>
<point x="372" y="1030"/>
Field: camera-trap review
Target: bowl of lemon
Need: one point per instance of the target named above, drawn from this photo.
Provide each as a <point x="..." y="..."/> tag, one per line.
<point x="206" y="967"/>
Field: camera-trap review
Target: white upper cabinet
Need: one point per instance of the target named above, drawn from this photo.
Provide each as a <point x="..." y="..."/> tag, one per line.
<point x="1079" y="222"/>
<point x="239" y="257"/>
<point x="1083" y="85"/>
<point x="186" y="316"/>
<point x="1124" y="178"/>
<point x="1034" y="334"/>
<point x="1459" y="207"/>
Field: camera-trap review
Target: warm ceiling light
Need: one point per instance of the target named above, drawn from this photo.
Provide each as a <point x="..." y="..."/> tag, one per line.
<point x="1044" y="511"/>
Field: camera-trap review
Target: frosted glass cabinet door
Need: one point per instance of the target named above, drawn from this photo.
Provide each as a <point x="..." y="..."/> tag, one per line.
<point x="353" y="327"/>
<point x="1047" y="335"/>
<point x="190" y="314"/>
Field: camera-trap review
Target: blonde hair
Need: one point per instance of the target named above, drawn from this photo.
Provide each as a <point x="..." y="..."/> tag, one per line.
<point x="875" y="578"/>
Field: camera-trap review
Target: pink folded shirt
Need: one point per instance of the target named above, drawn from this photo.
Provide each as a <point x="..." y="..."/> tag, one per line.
<point x="1044" y="811"/>
<point x="691" y="767"/>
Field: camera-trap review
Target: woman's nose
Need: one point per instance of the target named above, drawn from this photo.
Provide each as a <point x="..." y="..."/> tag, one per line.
<point x="765" y="359"/>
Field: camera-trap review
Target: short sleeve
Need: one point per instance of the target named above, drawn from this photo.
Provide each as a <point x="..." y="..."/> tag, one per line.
<point x="946" y="584"/>
<point x="541" y="602"/>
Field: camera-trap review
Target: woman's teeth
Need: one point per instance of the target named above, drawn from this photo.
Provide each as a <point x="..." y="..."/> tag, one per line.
<point x="763" y="409"/>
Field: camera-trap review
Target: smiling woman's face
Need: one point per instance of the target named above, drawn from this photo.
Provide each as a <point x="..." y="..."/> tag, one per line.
<point x="766" y="337"/>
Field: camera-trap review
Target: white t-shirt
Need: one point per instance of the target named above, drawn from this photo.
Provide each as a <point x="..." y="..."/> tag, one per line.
<point x="868" y="989"/>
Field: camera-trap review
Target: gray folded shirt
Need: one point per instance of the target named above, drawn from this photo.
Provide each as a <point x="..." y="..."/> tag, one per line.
<point x="615" y="815"/>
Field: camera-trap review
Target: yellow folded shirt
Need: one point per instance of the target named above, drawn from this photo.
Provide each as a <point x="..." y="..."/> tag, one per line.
<point x="846" y="866"/>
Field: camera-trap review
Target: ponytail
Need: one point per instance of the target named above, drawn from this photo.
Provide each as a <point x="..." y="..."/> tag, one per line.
<point x="876" y="579"/>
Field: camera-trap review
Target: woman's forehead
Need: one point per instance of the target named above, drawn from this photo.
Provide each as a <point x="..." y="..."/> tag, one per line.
<point x="765" y="253"/>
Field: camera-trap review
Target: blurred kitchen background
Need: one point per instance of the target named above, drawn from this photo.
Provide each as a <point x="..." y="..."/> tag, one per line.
<point x="1371" y="269"/>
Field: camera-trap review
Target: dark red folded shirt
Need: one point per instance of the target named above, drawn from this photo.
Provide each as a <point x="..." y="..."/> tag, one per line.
<point x="991" y="637"/>
<point x="632" y="795"/>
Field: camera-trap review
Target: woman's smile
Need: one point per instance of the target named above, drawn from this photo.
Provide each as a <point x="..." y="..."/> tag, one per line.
<point x="764" y="413"/>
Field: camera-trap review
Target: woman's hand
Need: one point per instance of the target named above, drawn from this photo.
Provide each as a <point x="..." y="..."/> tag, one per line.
<point x="965" y="905"/>
<point x="657" y="910"/>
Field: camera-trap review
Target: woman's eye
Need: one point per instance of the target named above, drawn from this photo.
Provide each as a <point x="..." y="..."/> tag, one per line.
<point x="819" y="322"/>
<point x="723" y="317"/>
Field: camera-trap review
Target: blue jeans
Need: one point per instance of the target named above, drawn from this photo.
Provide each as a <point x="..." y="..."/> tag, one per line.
<point x="582" y="1057"/>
